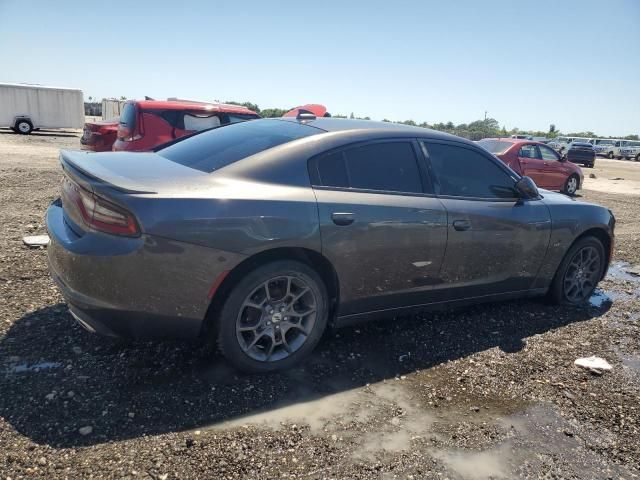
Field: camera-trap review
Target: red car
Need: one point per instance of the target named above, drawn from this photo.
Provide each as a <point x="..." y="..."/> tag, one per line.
<point x="538" y="161"/>
<point x="99" y="136"/>
<point x="145" y="124"/>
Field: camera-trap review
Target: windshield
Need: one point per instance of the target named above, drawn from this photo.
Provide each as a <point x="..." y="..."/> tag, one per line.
<point x="214" y="149"/>
<point x="495" y="146"/>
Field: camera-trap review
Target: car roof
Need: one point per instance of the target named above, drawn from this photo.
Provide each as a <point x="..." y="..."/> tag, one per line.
<point x="331" y="124"/>
<point x="515" y="141"/>
<point x="186" y="105"/>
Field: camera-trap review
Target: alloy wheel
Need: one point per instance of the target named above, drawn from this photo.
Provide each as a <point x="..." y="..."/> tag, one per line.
<point x="572" y="185"/>
<point x="581" y="276"/>
<point x="276" y="318"/>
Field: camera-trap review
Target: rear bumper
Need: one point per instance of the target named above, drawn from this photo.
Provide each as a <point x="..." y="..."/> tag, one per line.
<point x="144" y="287"/>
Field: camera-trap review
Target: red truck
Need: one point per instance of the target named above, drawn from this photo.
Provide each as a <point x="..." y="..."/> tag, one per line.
<point x="145" y="124"/>
<point x="538" y="161"/>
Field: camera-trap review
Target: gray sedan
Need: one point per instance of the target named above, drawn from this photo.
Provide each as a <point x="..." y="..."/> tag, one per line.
<point x="262" y="234"/>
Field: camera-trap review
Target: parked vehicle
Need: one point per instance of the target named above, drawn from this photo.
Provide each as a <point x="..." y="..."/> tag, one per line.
<point x="261" y="234"/>
<point x="112" y="108"/>
<point x="145" y="124"/>
<point x="25" y="108"/>
<point x="631" y="151"/>
<point x="538" y="161"/>
<point x="610" y="148"/>
<point x="99" y="135"/>
<point x="561" y="144"/>
<point x="522" y="137"/>
<point x="583" y="153"/>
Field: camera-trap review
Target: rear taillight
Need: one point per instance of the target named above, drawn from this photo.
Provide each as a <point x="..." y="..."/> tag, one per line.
<point x="98" y="213"/>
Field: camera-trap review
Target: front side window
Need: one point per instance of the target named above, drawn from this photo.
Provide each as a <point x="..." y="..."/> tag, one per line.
<point x="388" y="166"/>
<point x="548" y="153"/>
<point x="529" y="151"/>
<point x="463" y="172"/>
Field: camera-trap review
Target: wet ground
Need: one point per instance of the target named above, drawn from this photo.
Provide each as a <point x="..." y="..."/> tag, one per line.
<point x="485" y="392"/>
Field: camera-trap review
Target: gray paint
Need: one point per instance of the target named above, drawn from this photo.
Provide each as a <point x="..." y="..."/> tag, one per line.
<point x="400" y="251"/>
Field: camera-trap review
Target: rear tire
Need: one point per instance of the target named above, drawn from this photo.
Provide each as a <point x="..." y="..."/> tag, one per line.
<point x="610" y="155"/>
<point x="579" y="272"/>
<point x="637" y="159"/>
<point x="273" y="318"/>
<point x="571" y="185"/>
<point x="23" y="127"/>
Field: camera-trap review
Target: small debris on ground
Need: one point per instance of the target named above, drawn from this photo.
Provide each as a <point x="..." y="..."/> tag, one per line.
<point x="593" y="363"/>
<point x="35" y="241"/>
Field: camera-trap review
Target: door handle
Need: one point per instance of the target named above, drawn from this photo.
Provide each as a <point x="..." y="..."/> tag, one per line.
<point x="342" y="218"/>
<point x="462" y="225"/>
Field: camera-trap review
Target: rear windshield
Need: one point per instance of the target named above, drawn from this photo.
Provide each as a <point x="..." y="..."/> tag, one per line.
<point x="495" y="146"/>
<point x="128" y="116"/>
<point x="211" y="150"/>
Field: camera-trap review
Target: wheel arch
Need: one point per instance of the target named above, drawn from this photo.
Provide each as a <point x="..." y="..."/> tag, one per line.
<point x="312" y="258"/>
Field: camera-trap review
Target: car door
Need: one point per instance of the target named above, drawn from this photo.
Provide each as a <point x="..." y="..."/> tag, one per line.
<point x="532" y="164"/>
<point x="381" y="226"/>
<point x="556" y="171"/>
<point x="496" y="241"/>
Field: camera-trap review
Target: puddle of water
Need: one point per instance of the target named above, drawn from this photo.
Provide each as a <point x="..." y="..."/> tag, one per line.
<point x="619" y="271"/>
<point x="477" y="465"/>
<point x="319" y="414"/>
<point x="599" y="298"/>
<point x="36" y="367"/>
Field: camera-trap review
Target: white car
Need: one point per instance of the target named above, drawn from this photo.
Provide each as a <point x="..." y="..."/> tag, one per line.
<point x="611" y="149"/>
<point x="631" y="151"/>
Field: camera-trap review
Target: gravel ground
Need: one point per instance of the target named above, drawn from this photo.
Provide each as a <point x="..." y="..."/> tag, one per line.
<point x="485" y="392"/>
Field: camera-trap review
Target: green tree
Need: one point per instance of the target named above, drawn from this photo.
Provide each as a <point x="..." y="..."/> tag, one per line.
<point x="632" y="137"/>
<point x="251" y="106"/>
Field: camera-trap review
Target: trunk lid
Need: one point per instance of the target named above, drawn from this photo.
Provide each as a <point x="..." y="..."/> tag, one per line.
<point x="130" y="172"/>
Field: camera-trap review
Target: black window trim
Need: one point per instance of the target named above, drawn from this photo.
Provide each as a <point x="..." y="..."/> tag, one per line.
<point x="425" y="180"/>
<point x="481" y="151"/>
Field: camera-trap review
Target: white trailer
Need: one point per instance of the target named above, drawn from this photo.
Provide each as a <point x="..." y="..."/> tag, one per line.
<point x="111" y="108"/>
<point x="24" y="107"/>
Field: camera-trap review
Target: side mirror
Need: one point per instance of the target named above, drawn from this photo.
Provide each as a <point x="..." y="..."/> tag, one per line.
<point x="527" y="188"/>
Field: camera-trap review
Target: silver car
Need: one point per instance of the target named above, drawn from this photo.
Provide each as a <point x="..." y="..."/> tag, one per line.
<point x="260" y="235"/>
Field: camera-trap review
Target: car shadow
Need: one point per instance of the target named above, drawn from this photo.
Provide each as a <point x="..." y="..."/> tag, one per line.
<point x="57" y="378"/>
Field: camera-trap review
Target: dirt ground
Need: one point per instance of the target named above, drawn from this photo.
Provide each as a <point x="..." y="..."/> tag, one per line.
<point x="485" y="392"/>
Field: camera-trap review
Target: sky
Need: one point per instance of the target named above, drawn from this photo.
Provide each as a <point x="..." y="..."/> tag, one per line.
<point x="529" y="64"/>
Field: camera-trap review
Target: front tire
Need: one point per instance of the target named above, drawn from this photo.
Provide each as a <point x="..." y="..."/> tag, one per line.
<point x="579" y="273"/>
<point x="610" y="155"/>
<point x="273" y="318"/>
<point x="637" y="158"/>
<point x="571" y="185"/>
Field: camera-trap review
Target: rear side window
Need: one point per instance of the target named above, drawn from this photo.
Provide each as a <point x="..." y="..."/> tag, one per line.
<point x="462" y="172"/>
<point x="196" y="123"/>
<point x="128" y="116"/>
<point x="389" y="166"/>
<point x="213" y="149"/>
